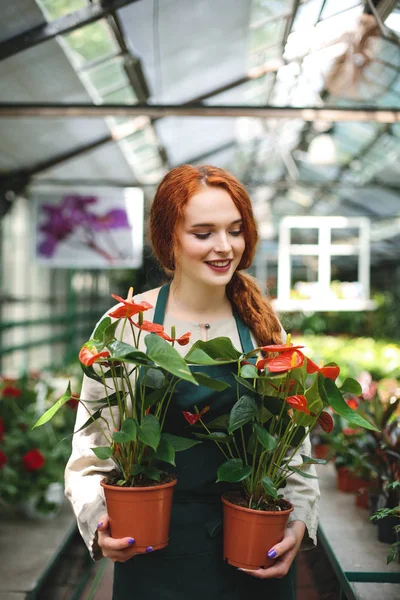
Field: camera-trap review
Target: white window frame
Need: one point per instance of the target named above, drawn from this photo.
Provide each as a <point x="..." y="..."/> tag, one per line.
<point x="324" y="250"/>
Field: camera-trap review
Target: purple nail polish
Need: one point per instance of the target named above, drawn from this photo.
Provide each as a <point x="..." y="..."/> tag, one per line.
<point x="149" y="549"/>
<point x="99" y="525"/>
<point x="272" y="554"/>
<point x="131" y="541"/>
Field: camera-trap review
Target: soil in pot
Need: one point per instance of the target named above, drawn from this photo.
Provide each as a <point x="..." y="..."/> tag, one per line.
<point x="142" y="512"/>
<point x="249" y="533"/>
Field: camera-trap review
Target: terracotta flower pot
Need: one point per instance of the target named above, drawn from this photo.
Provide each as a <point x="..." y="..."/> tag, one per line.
<point x="362" y="497"/>
<point x="343" y="479"/>
<point x="321" y="451"/>
<point x="249" y="534"/>
<point x="143" y="513"/>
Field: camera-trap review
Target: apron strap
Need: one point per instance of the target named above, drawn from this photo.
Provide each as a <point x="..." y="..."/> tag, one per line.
<point x="244" y="334"/>
<point x="161" y="304"/>
<point x="159" y="315"/>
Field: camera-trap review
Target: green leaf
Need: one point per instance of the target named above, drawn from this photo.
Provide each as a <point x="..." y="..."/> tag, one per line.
<point x="339" y="405"/>
<point x="216" y="436"/>
<point x="269" y="487"/>
<point x="129" y="426"/>
<point x="155" y="378"/>
<point x="179" y="443"/>
<point x="136" y="469"/>
<point x="210" y="382"/>
<point x="322" y="390"/>
<point x="163" y="354"/>
<point x="128" y="432"/>
<point x="149" y="431"/>
<point x="102" y="452"/>
<point x="264" y="415"/>
<point x="96" y="415"/>
<point x="120" y="437"/>
<point x="245" y="383"/>
<point x="49" y="414"/>
<point x="214" y="352"/>
<point x="100" y="329"/>
<point x="309" y="460"/>
<point x="152" y="473"/>
<point x="302" y="473"/>
<point x="266" y="439"/>
<point x="91" y="373"/>
<point x="165" y="451"/>
<point x="233" y="471"/>
<point x="314" y="403"/>
<point x="155" y="396"/>
<point x="249" y="372"/>
<point x="221" y="422"/>
<point x="242" y="412"/>
<point x="351" y="386"/>
<point x="109" y="333"/>
<point x="119" y="351"/>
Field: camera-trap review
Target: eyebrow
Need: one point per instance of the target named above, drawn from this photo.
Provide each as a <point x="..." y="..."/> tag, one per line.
<point x="213" y="224"/>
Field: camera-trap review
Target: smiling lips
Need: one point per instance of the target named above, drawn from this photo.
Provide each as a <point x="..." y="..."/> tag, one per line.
<point x="221" y="266"/>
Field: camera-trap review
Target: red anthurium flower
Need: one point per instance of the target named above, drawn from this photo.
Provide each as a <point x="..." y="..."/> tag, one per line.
<point x="151" y="327"/>
<point x="192" y="418"/>
<point x="3" y="459"/>
<point x="89" y="355"/>
<point x="279" y="348"/>
<point x="11" y="391"/>
<point x="284" y="362"/>
<point x="129" y="307"/>
<point x="33" y="460"/>
<point x="326" y="421"/>
<point x="330" y="372"/>
<point x="182" y="341"/>
<point x="351" y="431"/>
<point x="2" y="429"/>
<point x="299" y="403"/>
<point x="352" y="403"/>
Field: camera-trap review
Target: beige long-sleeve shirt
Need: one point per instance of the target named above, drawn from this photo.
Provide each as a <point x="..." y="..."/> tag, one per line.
<point x="84" y="470"/>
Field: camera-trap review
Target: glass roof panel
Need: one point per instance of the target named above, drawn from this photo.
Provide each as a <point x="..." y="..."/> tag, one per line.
<point x="53" y="9"/>
<point x="307" y="15"/>
<point x="262" y="10"/>
<point x="110" y="73"/>
<point x="125" y="95"/>
<point x="333" y="7"/>
<point x="90" y="43"/>
<point x="267" y="35"/>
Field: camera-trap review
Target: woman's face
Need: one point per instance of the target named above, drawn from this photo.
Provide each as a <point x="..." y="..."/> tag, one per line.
<point x="210" y="238"/>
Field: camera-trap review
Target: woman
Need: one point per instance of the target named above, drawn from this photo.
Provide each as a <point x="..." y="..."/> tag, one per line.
<point x="203" y="233"/>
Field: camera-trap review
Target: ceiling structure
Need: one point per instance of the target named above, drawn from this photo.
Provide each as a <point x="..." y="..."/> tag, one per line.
<point x="304" y="98"/>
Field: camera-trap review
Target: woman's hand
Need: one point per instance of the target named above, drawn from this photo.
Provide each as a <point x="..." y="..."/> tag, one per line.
<point x="117" y="549"/>
<point x="284" y="553"/>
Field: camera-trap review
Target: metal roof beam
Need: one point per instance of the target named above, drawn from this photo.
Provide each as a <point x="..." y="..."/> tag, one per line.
<point x="70" y="22"/>
<point x="309" y="113"/>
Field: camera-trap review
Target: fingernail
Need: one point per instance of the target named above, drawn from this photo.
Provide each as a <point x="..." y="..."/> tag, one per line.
<point x="99" y="525"/>
<point x="131" y="541"/>
<point x="149" y="549"/>
<point x="272" y="554"/>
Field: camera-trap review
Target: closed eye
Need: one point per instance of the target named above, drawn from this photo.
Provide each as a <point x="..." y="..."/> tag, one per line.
<point x="204" y="236"/>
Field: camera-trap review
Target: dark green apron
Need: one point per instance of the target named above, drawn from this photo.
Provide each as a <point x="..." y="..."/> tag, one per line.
<point x="192" y="565"/>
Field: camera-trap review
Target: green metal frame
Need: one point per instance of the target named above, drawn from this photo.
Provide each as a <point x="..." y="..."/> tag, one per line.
<point x="345" y="578"/>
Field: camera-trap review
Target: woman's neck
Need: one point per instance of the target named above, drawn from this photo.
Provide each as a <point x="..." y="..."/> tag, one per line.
<point x="198" y="303"/>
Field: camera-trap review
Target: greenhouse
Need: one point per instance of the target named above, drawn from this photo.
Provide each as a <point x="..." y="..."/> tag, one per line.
<point x="236" y="163"/>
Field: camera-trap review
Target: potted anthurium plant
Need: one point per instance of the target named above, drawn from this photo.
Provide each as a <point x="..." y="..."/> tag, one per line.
<point x="138" y="387"/>
<point x="279" y="400"/>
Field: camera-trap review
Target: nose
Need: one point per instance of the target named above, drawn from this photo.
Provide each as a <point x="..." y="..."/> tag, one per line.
<point x="222" y="244"/>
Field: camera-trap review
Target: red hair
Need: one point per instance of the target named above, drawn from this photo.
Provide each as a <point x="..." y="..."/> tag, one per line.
<point x="171" y="197"/>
